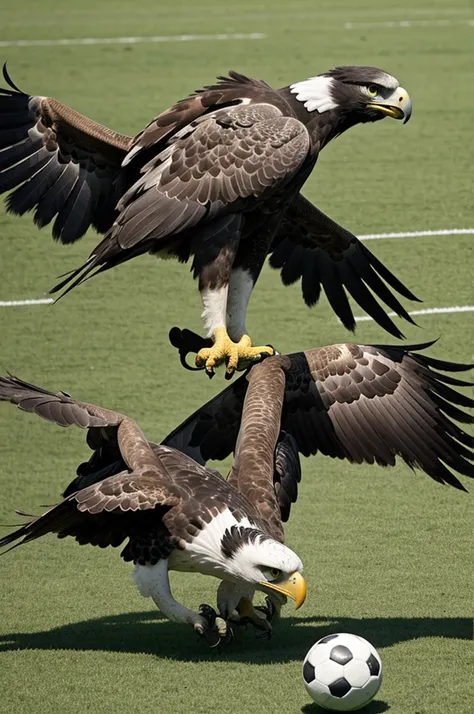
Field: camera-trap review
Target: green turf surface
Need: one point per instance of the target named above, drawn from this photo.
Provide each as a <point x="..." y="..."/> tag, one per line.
<point x="387" y="554"/>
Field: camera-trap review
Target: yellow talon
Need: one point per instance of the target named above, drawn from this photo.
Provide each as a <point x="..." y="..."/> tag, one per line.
<point x="248" y="613"/>
<point x="236" y="355"/>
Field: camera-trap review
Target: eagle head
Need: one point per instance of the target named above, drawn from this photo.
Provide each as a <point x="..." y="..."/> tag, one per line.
<point x="359" y="94"/>
<point x="264" y="563"/>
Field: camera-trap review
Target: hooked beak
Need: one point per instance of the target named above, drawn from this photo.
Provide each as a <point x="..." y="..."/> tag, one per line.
<point x="294" y="586"/>
<point x="397" y="105"/>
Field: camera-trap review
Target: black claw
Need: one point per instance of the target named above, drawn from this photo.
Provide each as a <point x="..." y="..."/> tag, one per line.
<point x="210" y="372"/>
<point x="269" y="609"/>
<point x="229" y="374"/>
<point x="182" y="359"/>
<point x="208" y="613"/>
<point x="217" y="643"/>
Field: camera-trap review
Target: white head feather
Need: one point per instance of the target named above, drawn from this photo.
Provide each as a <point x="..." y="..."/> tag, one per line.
<point x="315" y="93"/>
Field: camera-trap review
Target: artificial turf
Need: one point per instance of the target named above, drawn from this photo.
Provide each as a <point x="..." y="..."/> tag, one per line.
<point x="387" y="553"/>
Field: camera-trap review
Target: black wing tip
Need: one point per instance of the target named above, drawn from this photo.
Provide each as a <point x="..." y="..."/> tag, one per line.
<point x="76" y="277"/>
<point x="9" y="80"/>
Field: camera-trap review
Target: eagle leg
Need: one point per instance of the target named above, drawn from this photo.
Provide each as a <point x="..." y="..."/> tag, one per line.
<point x="153" y="581"/>
<point x="272" y="607"/>
<point x="218" y="631"/>
<point x="255" y="616"/>
<point x="237" y="355"/>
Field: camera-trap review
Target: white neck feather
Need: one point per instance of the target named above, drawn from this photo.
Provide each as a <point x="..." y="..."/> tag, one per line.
<point x="315" y="93"/>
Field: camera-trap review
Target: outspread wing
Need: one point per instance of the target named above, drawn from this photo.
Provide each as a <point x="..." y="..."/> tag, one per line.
<point x="361" y="403"/>
<point x="61" y="164"/>
<point x="217" y="166"/>
<point x="374" y="403"/>
<point x="312" y="247"/>
<point x="155" y="496"/>
<point x="126" y="505"/>
<point x="117" y="442"/>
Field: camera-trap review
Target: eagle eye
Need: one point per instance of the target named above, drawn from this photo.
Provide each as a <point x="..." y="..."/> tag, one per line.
<point x="272" y="573"/>
<point x="372" y="90"/>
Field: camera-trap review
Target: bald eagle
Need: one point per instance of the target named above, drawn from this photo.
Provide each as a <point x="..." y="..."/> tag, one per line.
<point x="360" y="403"/>
<point x="215" y="178"/>
<point x="175" y="513"/>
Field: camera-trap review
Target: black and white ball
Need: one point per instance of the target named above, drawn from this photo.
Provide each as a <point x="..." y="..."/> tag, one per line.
<point x="342" y="672"/>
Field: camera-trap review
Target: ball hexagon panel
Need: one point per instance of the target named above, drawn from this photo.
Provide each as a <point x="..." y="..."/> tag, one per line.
<point x="328" y="672"/>
<point x="319" y="693"/>
<point x="319" y="653"/>
<point x="372" y="687"/>
<point x="356" y="672"/>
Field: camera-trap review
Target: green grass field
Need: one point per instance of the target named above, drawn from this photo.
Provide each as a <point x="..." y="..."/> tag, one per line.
<point x="387" y="553"/>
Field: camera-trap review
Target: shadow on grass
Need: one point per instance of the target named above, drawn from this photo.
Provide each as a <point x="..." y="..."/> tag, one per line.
<point x="148" y="632"/>
<point x="376" y="707"/>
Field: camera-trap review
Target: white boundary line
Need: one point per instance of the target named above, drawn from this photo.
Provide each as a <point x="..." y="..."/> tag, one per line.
<point x="419" y="234"/>
<point x="367" y="236"/>
<point x="426" y="311"/>
<point x="20" y="303"/>
<point x="392" y="24"/>
<point x="130" y="40"/>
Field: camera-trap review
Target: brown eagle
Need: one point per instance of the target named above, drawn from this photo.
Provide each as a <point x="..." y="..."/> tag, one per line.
<point x="215" y="178"/>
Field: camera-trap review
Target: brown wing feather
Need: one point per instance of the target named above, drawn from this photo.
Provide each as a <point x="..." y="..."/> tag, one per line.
<point x="106" y="513"/>
<point x="155" y="496"/>
<point x="254" y="465"/>
<point x="311" y="247"/>
<point x="233" y="154"/>
<point x="104" y="425"/>
<point x="232" y="90"/>
<point x="362" y="403"/>
<point x="219" y="165"/>
<point x="58" y="407"/>
<point x="379" y="402"/>
<point x="62" y="164"/>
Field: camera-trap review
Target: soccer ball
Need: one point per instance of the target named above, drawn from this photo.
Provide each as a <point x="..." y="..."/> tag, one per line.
<point x="342" y="672"/>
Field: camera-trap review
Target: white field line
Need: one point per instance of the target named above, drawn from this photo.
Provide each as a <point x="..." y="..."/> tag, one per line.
<point x="392" y="24"/>
<point x="363" y="237"/>
<point x="131" y="40"/>
<point x="20" y="303"/>
<point x="426" y="311"/>
<point x="419" y="234"/>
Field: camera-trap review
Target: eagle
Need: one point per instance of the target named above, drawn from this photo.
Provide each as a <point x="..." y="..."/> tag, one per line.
<point x="361" y="403"/>
<point x="214" y="179"/>
<point x="174" y="513"/>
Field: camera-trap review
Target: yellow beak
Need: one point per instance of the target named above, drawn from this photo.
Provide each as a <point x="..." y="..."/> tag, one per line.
<point x="397" y="105"/>
<point x="294" y="586"/>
